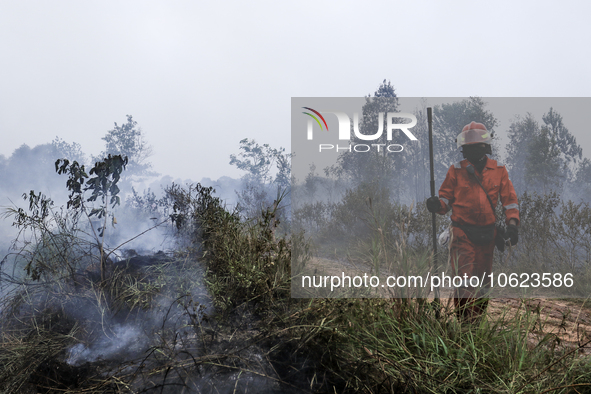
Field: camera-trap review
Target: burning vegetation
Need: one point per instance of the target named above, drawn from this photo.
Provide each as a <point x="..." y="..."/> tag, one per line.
<point x="83" y="310"/>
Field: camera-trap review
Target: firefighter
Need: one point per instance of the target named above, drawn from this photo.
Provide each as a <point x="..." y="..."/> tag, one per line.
<point x="471" y="188"/>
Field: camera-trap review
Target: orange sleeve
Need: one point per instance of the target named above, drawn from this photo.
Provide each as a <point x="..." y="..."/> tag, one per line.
<point x="446" y="191"/>
<point x="509" y="197"/>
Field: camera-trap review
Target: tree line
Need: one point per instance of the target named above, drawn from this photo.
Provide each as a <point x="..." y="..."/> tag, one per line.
<point x="541" y="156"/>
<point x="27" y="168"/>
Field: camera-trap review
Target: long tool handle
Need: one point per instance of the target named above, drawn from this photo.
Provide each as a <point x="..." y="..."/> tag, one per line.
<point x="433" y="217"/>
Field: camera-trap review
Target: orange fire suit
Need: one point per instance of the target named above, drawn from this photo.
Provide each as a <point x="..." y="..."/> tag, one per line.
<point x="461" y="193"/>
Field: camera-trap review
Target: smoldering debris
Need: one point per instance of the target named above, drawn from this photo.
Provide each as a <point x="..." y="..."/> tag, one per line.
<point x="146" y="329"/>
<point x="175" y="334"/>
<point x="148" y="294"/>
<point x="142" y="301"/>
<point x="126" y="340"/>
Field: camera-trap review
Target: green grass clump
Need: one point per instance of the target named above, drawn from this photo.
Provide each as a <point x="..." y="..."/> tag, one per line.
<point x="246" y="261"/>
<point x="400" y="346"/>
<point x="380" y="345"/>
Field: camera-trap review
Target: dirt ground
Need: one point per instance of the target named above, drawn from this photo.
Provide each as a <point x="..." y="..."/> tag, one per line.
<point x="566" y="321"/>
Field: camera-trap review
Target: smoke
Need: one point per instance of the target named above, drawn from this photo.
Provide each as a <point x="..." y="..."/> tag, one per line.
<point x="125" y="340"/>
<point x="120" y="333"/>
<point x="160" y="301"/>
<point x="129" y="340"/>
<point x="150" y="302"/>
<point x="34" y="169"/>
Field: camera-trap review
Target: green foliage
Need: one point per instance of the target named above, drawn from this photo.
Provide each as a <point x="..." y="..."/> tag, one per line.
<point x="573" y="233"/>
<point x="194" y="209"/>
<point x="369" y="229"/>
<point x="312" y="217"/>
<point x="107" y="174"/>
<point x="245" y="260"/>
<point x="103" y="185"/>
<point x="52" y="254"/>
<point x="353" y="217"/>
<point x="405" y="348"/>
<point x="343" y="345"/>
<point x="58" y="237"/>
<point x="537" y="218"/>
<point x="218" y="236"/>
<point x="67" y="305"/>
<point x="76" y="178"/>
<point x="371" y="232"/>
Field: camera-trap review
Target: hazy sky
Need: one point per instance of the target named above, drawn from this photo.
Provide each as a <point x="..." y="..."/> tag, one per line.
<point x="200" y="76"/>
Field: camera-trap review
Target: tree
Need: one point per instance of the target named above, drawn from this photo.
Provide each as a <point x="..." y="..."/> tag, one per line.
<point x="581" y="186"/>
<point x="128" y="141"/>
<point x="565" y="142"/>
<point x="64" y="149"/>
<point x="545" y="170"/>
<point x="266" y="169"/>
<point x="381" y="166"/>
<point x="542" y="158"/>
<point x="448" y="122"/>
<point x="30" y="168"/>
<point x="417" y="154"/>
<point x="102" y="181"/>
<point x="258" y="162"/>
<point x="521" y="132"/>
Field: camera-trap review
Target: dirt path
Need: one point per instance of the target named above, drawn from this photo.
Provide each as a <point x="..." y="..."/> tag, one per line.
<point x="568" y="322"/>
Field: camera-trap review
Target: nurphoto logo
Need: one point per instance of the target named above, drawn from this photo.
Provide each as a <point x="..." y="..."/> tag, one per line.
<point x="344" y="133"/>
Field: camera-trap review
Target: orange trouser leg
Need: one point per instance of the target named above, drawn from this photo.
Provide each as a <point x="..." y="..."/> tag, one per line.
<point x="471" y="260"/>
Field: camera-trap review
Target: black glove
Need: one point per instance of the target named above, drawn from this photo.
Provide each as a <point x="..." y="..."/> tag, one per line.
<point x="433" y="204"/>
<point x="512" y="234"/>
